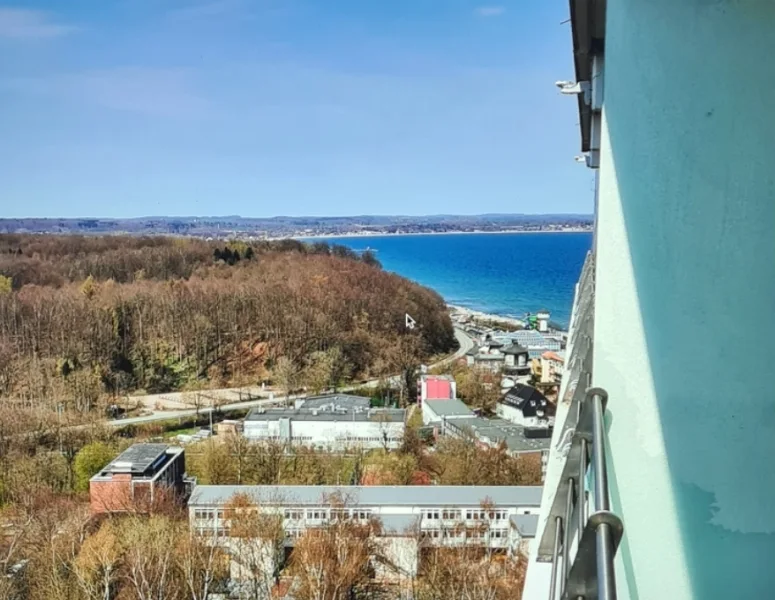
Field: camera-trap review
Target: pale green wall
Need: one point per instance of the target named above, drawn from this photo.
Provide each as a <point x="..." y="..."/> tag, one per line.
<point x="685" y="293"/>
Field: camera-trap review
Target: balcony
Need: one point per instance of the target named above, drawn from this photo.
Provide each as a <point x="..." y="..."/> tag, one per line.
<point x="581" y="535"/>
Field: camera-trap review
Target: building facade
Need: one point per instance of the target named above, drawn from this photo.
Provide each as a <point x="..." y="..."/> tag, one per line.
<point x="332" y="422"/>
<point x="501" y="518"/>
<point x="140" y="476"/>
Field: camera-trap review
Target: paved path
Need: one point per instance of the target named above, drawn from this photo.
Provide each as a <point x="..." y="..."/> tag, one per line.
<point x="466" y="343"/>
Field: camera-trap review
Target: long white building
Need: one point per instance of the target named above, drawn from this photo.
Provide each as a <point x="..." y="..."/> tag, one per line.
<point x="332" y="422"/>
<point x="501" y="517"/>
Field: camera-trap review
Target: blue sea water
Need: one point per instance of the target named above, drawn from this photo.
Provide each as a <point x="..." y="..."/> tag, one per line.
<point x="504" y="274"/>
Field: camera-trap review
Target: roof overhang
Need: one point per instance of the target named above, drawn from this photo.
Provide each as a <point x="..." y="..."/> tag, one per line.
<point x="587" y="19"/>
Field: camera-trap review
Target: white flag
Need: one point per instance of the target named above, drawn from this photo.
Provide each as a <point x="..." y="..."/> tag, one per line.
<point x="410" y="322"/>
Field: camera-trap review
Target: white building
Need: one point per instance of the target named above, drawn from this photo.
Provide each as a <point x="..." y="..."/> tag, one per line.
<point x="332" y="422"/>
<point x="525" y="405"/>
<point x="501" y="517"/>
<point x="543" y="317"/>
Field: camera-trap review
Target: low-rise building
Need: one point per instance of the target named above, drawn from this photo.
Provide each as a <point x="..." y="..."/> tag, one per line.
<point x="518" y="439"/>
<point x="333" y="422"/>
<point x="409" y="516"/>
<point x="140" y="476"/>
<point x="525" y="405"/>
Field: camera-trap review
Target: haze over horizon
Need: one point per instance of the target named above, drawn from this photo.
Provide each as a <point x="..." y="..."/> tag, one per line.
<point x="306" y="108"/>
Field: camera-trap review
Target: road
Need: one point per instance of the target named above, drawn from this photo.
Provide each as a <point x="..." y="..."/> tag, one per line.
<point x="465" y="342"/>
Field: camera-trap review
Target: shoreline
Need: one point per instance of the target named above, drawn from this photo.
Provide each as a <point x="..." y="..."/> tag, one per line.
<point x="412" y="233"/>
<point x="477" y="314"/>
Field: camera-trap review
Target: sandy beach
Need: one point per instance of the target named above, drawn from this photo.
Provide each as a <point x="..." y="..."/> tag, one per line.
<point x="476" y="314"/>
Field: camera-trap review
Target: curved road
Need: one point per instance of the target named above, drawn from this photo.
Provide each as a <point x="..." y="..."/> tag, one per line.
<point x="463" y="339"/>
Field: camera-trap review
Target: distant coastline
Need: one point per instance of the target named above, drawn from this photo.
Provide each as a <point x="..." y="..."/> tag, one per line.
<point x="383" y="234"/>
<point x="274" y="228"/>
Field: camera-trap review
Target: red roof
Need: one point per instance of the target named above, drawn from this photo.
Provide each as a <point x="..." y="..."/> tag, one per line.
<point x="438" y="389"/>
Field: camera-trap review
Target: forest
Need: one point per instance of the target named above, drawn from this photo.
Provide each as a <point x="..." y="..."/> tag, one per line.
<point x="87" y="319"/>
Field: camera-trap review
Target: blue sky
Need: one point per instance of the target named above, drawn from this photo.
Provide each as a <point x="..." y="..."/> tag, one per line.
<point x="286" y="107"/>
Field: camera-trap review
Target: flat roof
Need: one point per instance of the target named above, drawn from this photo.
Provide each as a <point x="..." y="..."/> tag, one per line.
<point x="527" y="525"/>
<point x="341" y="400"/>
<point x="448" y="408"/>
<point x="496" y="431"/>
<point x="377" y="495"/>
<point x="392" y="415"/>
<point x="137" y="459"/>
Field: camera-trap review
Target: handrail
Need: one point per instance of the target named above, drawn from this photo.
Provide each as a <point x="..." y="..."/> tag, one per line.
<point x="582" y="546"/>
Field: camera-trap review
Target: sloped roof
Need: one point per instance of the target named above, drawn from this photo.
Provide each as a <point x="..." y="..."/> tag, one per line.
<point x="521" y="394"/>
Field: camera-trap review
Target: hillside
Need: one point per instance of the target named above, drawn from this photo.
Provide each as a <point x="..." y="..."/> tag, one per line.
<point x="86" y="318"/>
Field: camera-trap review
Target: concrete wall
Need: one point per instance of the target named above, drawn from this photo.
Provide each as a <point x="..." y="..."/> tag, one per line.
<point x="685" y="293"/>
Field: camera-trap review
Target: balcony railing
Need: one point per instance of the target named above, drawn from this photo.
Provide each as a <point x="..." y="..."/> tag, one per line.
<point x="580" y="544"/>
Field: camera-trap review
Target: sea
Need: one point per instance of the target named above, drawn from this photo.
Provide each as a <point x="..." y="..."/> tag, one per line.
<point x="507" y="274"/>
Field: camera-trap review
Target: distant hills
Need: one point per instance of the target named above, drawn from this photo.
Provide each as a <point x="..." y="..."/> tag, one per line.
<point x="277" y="227"/>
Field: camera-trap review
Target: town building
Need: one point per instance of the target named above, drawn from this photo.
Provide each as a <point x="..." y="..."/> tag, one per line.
<point x="543" y="317"/>
<point x="516" y="359"/>
<point x="501" y="518"/>
<point x="140" y="476"/>
<point x="536" y="342"/>
<point x="332" y="422"/>
<point x="436" y="387"/>
<point x="491" y="433"/>
<point x="525" y="405"/>
<point x="552" y="366"/>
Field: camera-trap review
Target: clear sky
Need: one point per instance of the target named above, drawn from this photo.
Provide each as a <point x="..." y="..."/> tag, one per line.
<point x="286" y="107"/>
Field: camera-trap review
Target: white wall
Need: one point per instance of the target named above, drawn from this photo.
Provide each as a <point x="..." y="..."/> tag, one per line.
<point x="685" y="292"/>
<point x="332" y="434"/>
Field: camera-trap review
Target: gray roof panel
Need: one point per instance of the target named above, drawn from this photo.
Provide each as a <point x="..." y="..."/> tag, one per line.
<point x="525" y="524"/>
<point x="378" y="495"/>
<point x="448" y="408"/>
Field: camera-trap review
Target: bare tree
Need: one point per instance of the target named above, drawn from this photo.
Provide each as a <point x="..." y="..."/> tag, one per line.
<point x="257" y="546"/>
<point x="150" y="557"/>
<point x="335" y="561"/>
<point x="287" y="374"/>
<point x="97" y="566"/>
<point x="200" y="561"/>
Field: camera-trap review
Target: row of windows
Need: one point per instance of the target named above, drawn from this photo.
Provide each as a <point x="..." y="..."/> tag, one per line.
<point x="433" y="514"/>
<point x="429" y="514"/>
<point x="208" y="514"/>
<point x="451" y="534"/>
<point x="324" y="514"/>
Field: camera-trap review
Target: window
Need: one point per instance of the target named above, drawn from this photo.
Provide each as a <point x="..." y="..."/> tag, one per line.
<point x="293" y="514"/>
<point x="316" y="515"/>
<point x="450" y="515"/>
<point x="430" y="514"/>
<point x="362" y="514"/>
<point x="203" y="514"/>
